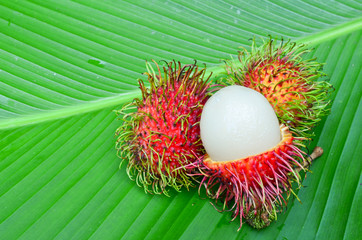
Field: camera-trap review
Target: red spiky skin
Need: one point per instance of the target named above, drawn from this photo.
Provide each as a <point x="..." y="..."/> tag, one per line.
<point x="163" y="130"/>
<point x="280" y="81"/>
<point x="254" y="183"/>
<point x="291" y="84"/>
<point x="163" y="134"/>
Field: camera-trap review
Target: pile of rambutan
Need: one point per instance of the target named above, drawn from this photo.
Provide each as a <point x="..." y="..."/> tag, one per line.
<point x="243" y="143"/>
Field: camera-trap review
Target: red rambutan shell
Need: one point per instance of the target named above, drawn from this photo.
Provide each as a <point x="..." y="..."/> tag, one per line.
<point x="292" y="85"/>
<point x="280" y="81"/>
<point x="170" y="127"/>
<point x="254" y="183"/>
<point x="163" y="134"/>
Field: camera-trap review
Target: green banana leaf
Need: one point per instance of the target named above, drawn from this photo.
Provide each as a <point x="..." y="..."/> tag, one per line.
<point x="66" y="65"/>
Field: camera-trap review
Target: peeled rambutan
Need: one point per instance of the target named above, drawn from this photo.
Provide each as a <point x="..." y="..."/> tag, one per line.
<point x="251" y="159"/>
<point x="291" y="84"/>
<point x="160" y="132"/>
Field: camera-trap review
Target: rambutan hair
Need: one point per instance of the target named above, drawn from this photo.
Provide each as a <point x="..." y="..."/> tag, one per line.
<point x="292" y="84"/>
<point x="256" y="186"/>
<point x="160" y="132"/>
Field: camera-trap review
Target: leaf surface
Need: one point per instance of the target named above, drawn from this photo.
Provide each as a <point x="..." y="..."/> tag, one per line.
<point x="66" y="65"/>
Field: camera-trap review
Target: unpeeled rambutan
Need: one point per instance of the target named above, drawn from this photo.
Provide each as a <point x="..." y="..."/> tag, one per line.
<point x="290" y="83"/>
<point x="251" y="159"/>
<point x="160" y="132"/>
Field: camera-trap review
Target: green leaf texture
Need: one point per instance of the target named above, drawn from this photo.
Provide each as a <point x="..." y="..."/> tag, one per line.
<point x="65" y="65"/>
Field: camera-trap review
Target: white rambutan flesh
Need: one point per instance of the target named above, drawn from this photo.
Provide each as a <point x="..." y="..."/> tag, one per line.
<point x="238" y="122"/>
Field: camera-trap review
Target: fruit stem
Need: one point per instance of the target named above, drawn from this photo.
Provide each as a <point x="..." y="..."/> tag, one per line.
<point x="317" y="152"/>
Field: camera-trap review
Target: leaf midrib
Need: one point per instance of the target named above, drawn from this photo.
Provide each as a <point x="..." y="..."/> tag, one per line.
<point x="86" y="107"/>
<point x="65" y="112"/>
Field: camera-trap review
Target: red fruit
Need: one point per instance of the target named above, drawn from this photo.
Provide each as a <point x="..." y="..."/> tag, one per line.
<point x="291" y="84"/>
<point x="279" y="81"/>
<point x="163" y="134"/>
<point x="254" y="185"/>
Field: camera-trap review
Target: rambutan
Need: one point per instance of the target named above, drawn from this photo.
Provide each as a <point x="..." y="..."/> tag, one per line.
<point x="251" y="160"/>
<point x="290" y="83"/>
<point x="160" y="132"/>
